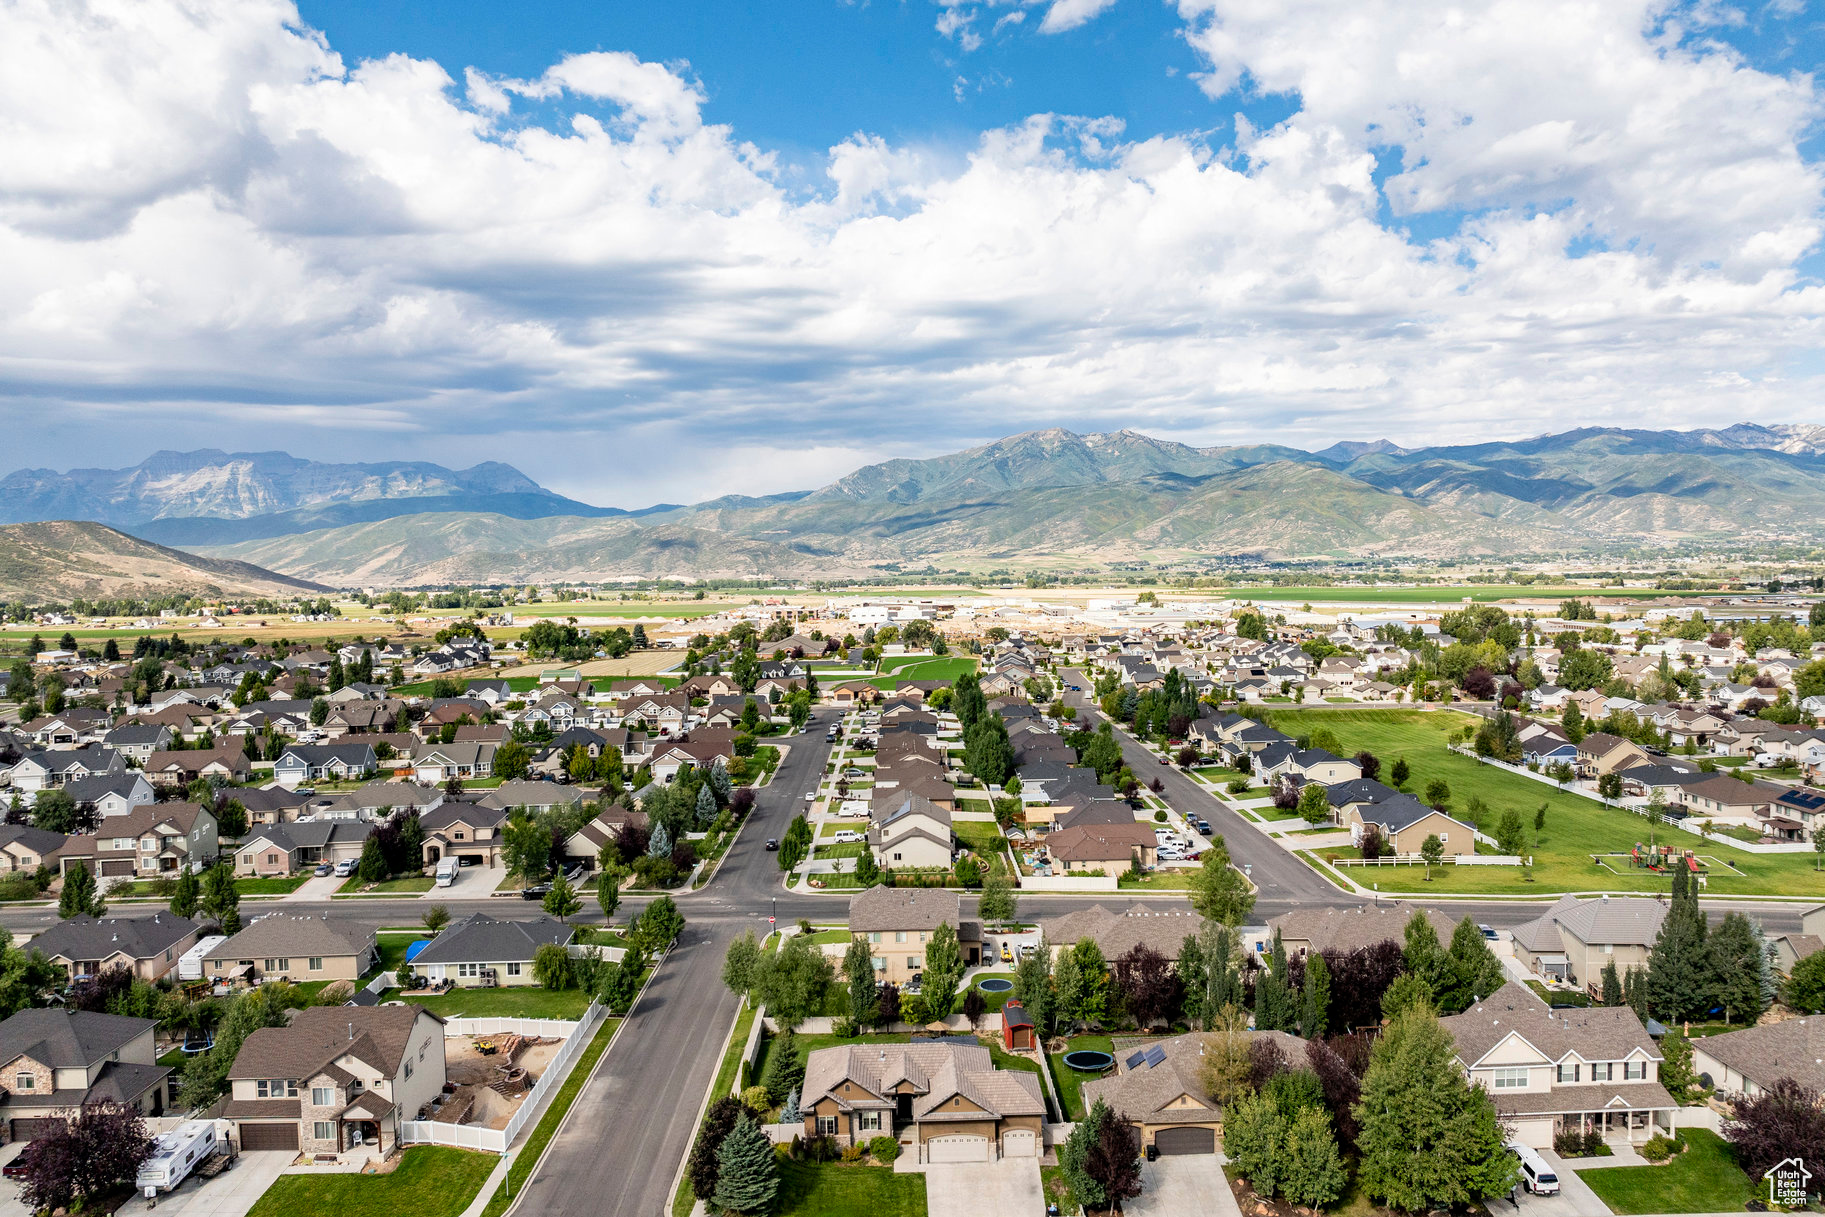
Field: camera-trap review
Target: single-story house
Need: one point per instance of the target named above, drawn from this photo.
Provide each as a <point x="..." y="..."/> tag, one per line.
<point x="482" y="951"/>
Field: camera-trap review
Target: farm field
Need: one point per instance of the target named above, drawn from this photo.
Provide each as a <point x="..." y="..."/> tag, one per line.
<point x="1576" y="827"/>
<point x="1482" y="593"/>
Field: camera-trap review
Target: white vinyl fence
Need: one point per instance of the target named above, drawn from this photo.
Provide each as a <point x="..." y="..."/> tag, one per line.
<point x="576" y="1036"/>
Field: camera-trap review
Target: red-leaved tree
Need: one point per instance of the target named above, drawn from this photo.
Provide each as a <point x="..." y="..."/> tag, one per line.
<point x="1149" y="985"/>
<point x="98" y="1151"/>
<point x="1785" y="1121"/>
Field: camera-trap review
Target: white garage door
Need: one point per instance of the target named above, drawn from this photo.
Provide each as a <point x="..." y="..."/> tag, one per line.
<point x="957" y="1149"/>
<point x="1018" y="1144"/>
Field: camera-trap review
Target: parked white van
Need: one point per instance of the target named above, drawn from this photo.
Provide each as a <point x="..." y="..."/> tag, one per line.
<point x="1536" y="1176"/>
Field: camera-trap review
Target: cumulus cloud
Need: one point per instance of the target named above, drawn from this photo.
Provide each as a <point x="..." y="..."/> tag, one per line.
<point x="214" y="226"/>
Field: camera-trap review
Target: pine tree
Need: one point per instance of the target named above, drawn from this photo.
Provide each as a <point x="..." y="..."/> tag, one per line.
<point x="706" y="807"/>
<point x="1736" y="963"/>
<point x="373" y="865"/>
<point x="1681" y="981"/>
<point x="1315" y="1003"/>
<point x="943" y="971"/>
<point x="867" y="870"/>
<point x="659" y="845"/>
<point x="1612" y="985"/>
<point x="747" y="1174"/>
<point x="1194" y="979"/>
<point x="1471" y="969"/>
<point x="1033" y="989"/>
<point x="789" y="1112"/>
<point x="858" y="967"/>
<point x="1677" y="1073"/>
<point x="1429" y="1138"/>
<point x="184" y="899"/>
<point x="79" y="895"/>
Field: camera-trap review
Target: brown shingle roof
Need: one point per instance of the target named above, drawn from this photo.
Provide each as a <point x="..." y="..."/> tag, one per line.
<point x="903" y="908"/>
<point x="1351" y="929"/>
<point x="1792" y="1049"/>
<point x="319" y="1035"/>
<point x="1163" y="929"/>
<point x="1594" y="1034"/>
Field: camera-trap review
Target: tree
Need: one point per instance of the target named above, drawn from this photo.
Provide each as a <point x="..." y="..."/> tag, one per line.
<point x="1275" y="1007"/>
<point x="998" y="905"/>
<point x="740" y="963"/>
<point x="1612" y="985"/>
<point x="1677" y="1073"/>
<point x="551" y="967"/>
<point x="658" y="927"/>
<point x="1805" y="989"/>
<point x="1510" y="834"/>
<point x="99" y="1151"/>
<point x="1312" y="1171"/>
<point x="1148" y="984"/>
<point x="1315" y="1001"/>
<point x="1681" y="978"/>
<point x="1470" y="970"/>
<point x="747" y="1173"/>
<point x="1101" y="1159"/>
<point x="1342" y="1088"/>
<point x="1438" y="794"/>
<point x="1785" y="1121"/>
<point x="1399" y="772"/>
<point x="793" y="981"/>
<point x="1408" y="991"/>
<point x="1254" y="1133"/>
<point x="55" y="811"/>
<point x="867" y="870"/>
<point x="373" y="865"/>
<point x="718" y="1122"/>
<point x="1429" y="1138"/>
<point x="858" y="968"/>
<point x="79" y="895"/>
<point x="1433" y="851"/>
<point x="1314" y="805"/>
<point x="221" y="899"/>
<point x="1226" y="1054"/>
<point x="1033" y="989"/>
<point x="785" y="1071"/>
<point x="511" y="760"/>
<point x="231" y="819"/>
<point x="562" y="901"/>
<point x="206" y="1074"/>
<point x="1068" y="989"/>
<point x="184" y="899"/>
<point x="943" y="971"/>
<point x="1218" y="891"/>
<point x="435" y="919"/>
<point x="1573" y="722"/>
<point x="1736" y="963"/>
<point x="608" y="891"/>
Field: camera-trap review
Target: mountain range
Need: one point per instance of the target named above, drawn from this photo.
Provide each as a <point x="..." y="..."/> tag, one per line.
<point x="58" y="561"/>
<point x="1041" y="498"/>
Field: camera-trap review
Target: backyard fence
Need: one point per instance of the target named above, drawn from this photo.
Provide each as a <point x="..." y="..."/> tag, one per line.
<point x="576" y="1036"/>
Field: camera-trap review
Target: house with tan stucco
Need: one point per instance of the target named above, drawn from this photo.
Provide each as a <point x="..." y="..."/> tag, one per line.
<point x="943" y="1101"/>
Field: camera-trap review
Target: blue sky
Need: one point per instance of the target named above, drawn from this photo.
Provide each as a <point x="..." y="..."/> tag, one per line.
<point x="791" y="239"/>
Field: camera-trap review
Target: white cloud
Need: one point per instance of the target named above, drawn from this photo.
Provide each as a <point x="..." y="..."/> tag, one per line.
<point x="1069" y="14"/>
<point x="214" y="227"/>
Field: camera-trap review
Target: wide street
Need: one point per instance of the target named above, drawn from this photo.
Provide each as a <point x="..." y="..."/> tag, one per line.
<point x="620" y="1150"/>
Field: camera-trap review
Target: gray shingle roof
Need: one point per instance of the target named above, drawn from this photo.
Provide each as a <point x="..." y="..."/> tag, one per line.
<point x="480" y="938"/>
<point x="1765" y="1054"/>
<point x="896" y="908"/>
<point x="1630" y="921"/>
<point x="68" y="1039"/>
<point x="1598" y="1033"/>
<point x="293" y="934"/>
<point x="83" y="937"/>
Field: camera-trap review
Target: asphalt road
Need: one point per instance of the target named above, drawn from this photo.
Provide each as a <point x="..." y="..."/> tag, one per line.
<point x="619" y="1152"/>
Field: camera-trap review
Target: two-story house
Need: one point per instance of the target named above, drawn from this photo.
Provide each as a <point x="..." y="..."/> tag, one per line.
<point x="1586" y="1070"/>
<point x="1575" y="939"/>
<point x="54" y="1060"/>
<point x="336" y="1078"/>
<point x="910" y="831"/>
<point x="116" y="794"/>
<point x="946" y="1101"/>
<point x="465" y="831"/>
<point x="897" y="924"/>
<point x="294" y="946"/>
<point x="149" y="841"/>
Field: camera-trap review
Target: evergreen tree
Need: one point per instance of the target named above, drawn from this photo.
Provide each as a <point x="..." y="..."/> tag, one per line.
<point x="1424" y="957"/>
<point x="1681" y="978"/>
<point x="373" y="865"/>
<point x="858" y="967"/>
<point x="1408" y="991"/>
<point x="1312" y="1171"/>
<point x="706" y="807"/>
<point x="1194" y="979"/>
<point x="221" y="899"/>
<point x="867" y="870"/>
<point x="184" y="899"/>
<point x="1274" y="1005"/>
<point x="1736" y="963"/>
<point x="785" y="1068"/>
<point x="79" y="895"/>
<point x="1471" y="969"/>
<point x="1033" y="989"/>
<point x="1612" y="985"/>
<point x="659" y="845"/>
<point x="1429" y="1138"/>
<point x="943" y="971"/>
<point x="1068" y="990"/>
<point x="1093" y="1007"/>
<point x="747" y="1173"/>
<point x="1677" y="1072"/>
<point x="1315" y="1003"/>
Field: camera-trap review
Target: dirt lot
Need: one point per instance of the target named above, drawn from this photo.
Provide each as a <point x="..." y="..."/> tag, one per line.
<point x="471" y="1071"/>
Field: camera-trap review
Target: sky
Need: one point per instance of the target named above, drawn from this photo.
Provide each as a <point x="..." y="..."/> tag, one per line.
<point x="663" y="252"/>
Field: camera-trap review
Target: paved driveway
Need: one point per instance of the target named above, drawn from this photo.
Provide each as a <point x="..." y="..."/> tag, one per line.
<point x="229" y="1194"/>
<point x="1008" y="1188"/>
<point x="1184" y="1185"/>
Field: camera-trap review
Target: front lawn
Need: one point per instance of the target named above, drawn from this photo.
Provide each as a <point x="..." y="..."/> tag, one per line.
<point x="431" y="1181"/>
<point x="1068" y="1081"/>
<point x="836" y="1190"/>
<point x="271" y="886"/>
<point x="409" y="884"/>
<point x="1157" y="881"/>
<point x="1704" y="1179"/>
<point x="1576" y="827"/>
<point x="522" y="1001"/>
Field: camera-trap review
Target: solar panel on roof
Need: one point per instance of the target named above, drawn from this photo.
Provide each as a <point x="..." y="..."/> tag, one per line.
<point x="1155" y="1055"/>
<point x="1135" y="1059"/>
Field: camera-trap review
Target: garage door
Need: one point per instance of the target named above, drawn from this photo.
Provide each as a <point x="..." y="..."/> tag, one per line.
<point x="957" y="1149"/>
<point x="1018" y="1144"/>
<point x="123" y="866"/>
<point x="1185" y="1141"/>
<point x="25" y="1130"/>
<point x="269" y="1136"/>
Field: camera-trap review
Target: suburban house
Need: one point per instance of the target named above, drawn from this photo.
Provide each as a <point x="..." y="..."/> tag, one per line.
<point x="1600" y="753"/>
<point x="946" y="1100"/>
<point x="1750" y="1061"/>
<point x="114" y="794"/>
<point x="897" y="923"/>
<point x="1789" y="949"/>
<point x="157" y="839"/>
<point x="1721" y="797"/>
<point x="533" y="796"/>
<point x="479" y="951"/>
<point x="294" y="946"/>
<point x="301" y="763"/>
<point x="910" y="831"/>
<point x="54" y="1060"/>
<point x="1405" y="823"/>
<point x="335" y="1078"/>
<point x="1159" y="1089"/>
<point x="1587" y="1070"/>
<point x="148" y="946"/>
<point x="1164" y="928"/>
<point x="59" y="767"/>
<point x="229" y="763"/>
<point x="1343" y="930"/>
<point x="271" y="804"/>
<point x="285" y="849"/>
<point x="24" y="848"/>
<point x="1106" y="849"/>
<point x="467" y="831"/>
<point x="138" y="740"/>
<point x="1575" y="939"/>
<point x="438" y="763"/>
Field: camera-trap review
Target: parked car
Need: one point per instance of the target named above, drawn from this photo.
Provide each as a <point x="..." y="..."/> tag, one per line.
<point x="772" y="844"/>
<point x="1488" y="932"/>
<point x="535" y="892"/>
<point x="345" y="868"/>
<point x="324" y="868"/>
<point x="811" y="796"/>
<point x="1204" y="827"/>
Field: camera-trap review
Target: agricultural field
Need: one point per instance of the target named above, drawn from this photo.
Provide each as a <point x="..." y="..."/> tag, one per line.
<point x="1576" y="827"/>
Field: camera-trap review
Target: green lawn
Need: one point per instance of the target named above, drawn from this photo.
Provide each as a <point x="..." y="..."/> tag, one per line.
<point x="1704" y="1179"/>
<point x="982" y="837"/>
<point x="1158" y="881"/>
<point x="393" y="949"/>
<point x="825" y="937"/>
<point x="431" y="1181"/>
<point x="995" y="1000"/>
<point x="1576" y="827"/>
<point x="848" y="849"/>
<point x="836" y="1190"/>
<point x="270" y="887"/>
<point x="1069" y="1082"/>
<point x="547" y="1127"/>
<point x="948" y="668"/>
<point x="807" y="1044"/>
<point x="521" y="1001"/>
<point x="411" y="883"/>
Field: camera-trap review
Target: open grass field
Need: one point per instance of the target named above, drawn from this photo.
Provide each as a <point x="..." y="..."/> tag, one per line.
<point x="1704" y="1179"/>
<point x="1576" y="827"/>
<point x="431" y="1181"/>
<point x="914" y="667"/>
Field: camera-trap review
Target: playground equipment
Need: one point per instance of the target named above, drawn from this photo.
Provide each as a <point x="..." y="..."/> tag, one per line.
<point x="1666" y="858"/>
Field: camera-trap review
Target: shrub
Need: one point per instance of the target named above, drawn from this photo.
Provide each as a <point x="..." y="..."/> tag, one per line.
<point x="844" y="1028"/>
<point x="885" y="1149"/>
<point x="1658" y="1148"/>
<point x="1159" y="817"/>
<point x="757" y="1097"/>
<point x="1237" y="785"/>
<point x="854" y="1153"/>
